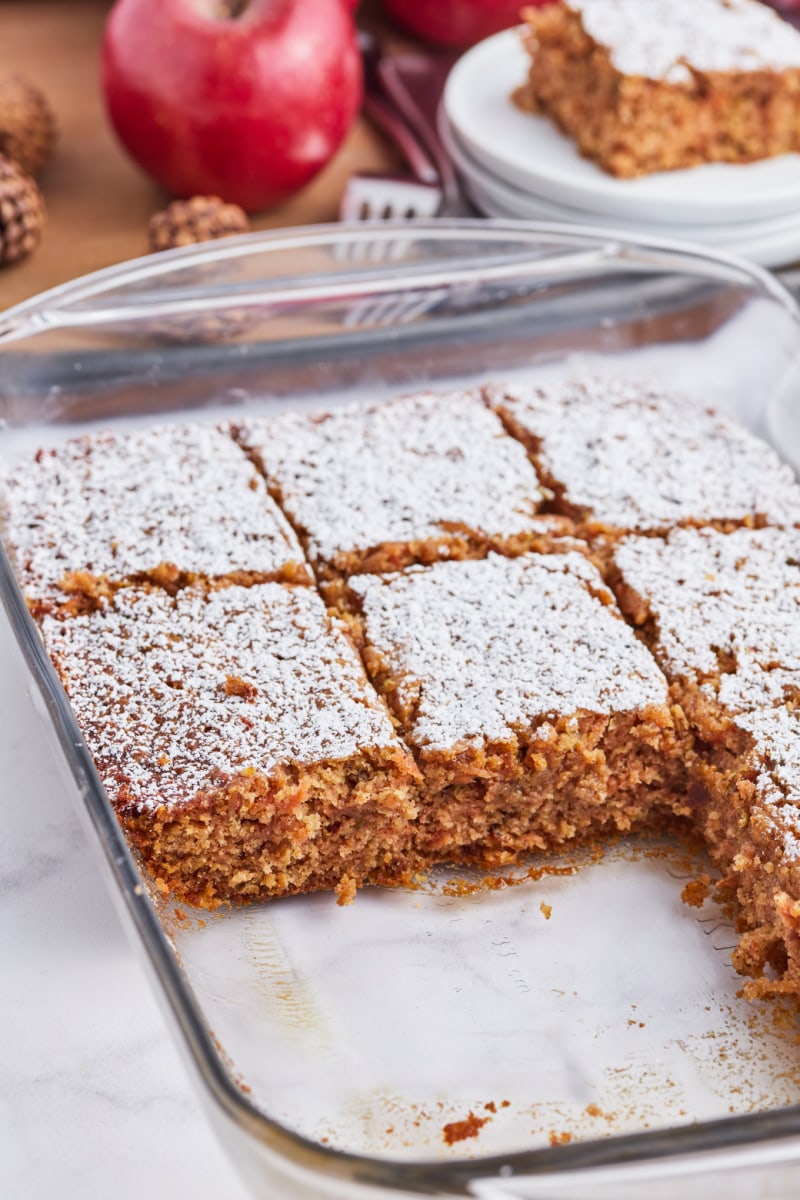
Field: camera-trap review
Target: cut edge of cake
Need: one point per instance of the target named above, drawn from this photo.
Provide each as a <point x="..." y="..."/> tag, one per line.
<point x="525" y="761"/>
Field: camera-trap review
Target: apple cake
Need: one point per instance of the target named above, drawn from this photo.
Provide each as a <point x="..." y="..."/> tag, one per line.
<point x="534" y="713"/>
<point x="622" y="455"/>
<point x="165" y="506"/>
<point x="747" y="806"/>
<point x="329" y="650"/>
<point x="236" y="733"/>
<point x="721" y="614"/>
<point x="707" y="81"/>
<point x="377" y="488"/>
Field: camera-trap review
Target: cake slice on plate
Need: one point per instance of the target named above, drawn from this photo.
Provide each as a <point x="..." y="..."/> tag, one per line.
<point x="645" y="87"/>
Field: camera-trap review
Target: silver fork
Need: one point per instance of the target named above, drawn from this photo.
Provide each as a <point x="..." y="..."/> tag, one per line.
<point x="387" y="196"/>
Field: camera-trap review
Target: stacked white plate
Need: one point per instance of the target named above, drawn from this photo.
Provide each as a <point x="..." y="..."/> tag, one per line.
<point x="514" y="164"/>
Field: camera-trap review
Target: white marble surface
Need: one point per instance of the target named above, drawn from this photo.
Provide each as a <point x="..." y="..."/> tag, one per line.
<point x="94" y="1098"/>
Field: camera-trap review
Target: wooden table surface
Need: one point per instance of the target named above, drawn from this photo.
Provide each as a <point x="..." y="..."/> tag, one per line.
<point x="99" y="202"/>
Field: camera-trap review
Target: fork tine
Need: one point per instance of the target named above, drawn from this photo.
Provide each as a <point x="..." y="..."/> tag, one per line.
<point x="388" y="197"/>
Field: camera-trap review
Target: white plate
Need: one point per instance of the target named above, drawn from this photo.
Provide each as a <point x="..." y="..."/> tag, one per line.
<point x="495" y="197"/>
<point x="530" y="152"/>
<point x="768" y="250"/>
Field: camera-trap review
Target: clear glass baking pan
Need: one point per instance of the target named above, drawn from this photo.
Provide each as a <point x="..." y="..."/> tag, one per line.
<point x="582" y="1027"/>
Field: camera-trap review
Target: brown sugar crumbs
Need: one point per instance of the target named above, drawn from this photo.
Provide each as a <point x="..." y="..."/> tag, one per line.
<point x="696" y="891"/>
<point x="594" y="1110"/>
<point x="559" y="1139"/>
<point x="460" y="1131"/>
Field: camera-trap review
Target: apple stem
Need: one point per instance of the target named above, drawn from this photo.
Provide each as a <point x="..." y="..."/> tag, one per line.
<point x="231" y="9"/>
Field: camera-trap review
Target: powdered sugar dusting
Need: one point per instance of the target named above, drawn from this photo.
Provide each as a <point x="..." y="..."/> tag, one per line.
<point x="119" y="505"/>
<point x="776" y="764"/>
<point x="147" y="680"/>
<point x="689" y="35"/>
<point x="727" y="608"/>
<point x="416" y="468"/>
<point x="633" y="456"/>
<point x="491" y="645"/>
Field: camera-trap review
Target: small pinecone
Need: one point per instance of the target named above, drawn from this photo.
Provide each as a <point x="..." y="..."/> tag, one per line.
<point x="200" y="219"/>
<point x="21" y="213"/>
<point x="27" y="124"/>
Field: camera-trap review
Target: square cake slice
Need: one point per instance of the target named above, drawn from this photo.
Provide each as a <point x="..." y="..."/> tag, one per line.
<point x="721" y="613"/>
<point x="748" y="810"/>
<point x="423" y="478"/>
<point x="707" y="81"/>
<point x="239" y="741"/>
<point x="625" y="455"/>
<point x="169" y="505"/>
<point x="535" y="715"/>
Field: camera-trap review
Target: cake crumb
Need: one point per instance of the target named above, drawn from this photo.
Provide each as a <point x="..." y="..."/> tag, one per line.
<point x="546" y="910"/>
<point x="696" y="891"/>
<point x="346" y="890"/>
<point x="559" y="1139"/>
<point x="459" y="1131"/>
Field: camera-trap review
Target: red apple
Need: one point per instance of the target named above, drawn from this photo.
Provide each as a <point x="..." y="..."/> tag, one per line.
<point x="456" y="22"/>
<point x="789" y="9"/>
<point x="243" y="99"/>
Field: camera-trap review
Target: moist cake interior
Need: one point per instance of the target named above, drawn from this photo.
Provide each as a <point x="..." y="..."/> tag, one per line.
<point x="327" y="651"/>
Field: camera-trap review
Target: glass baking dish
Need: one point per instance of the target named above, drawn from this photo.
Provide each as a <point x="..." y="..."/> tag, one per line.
<point x="578" y="1033"/>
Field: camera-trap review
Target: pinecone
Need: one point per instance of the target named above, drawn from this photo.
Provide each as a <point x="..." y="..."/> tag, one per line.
<point x="27" y="124"/>
<point x="22" y="213"/>
<point x="200" y="219"/>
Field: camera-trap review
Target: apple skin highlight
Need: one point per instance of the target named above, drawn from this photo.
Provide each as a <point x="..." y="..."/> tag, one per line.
<point x="247" y="102"/>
